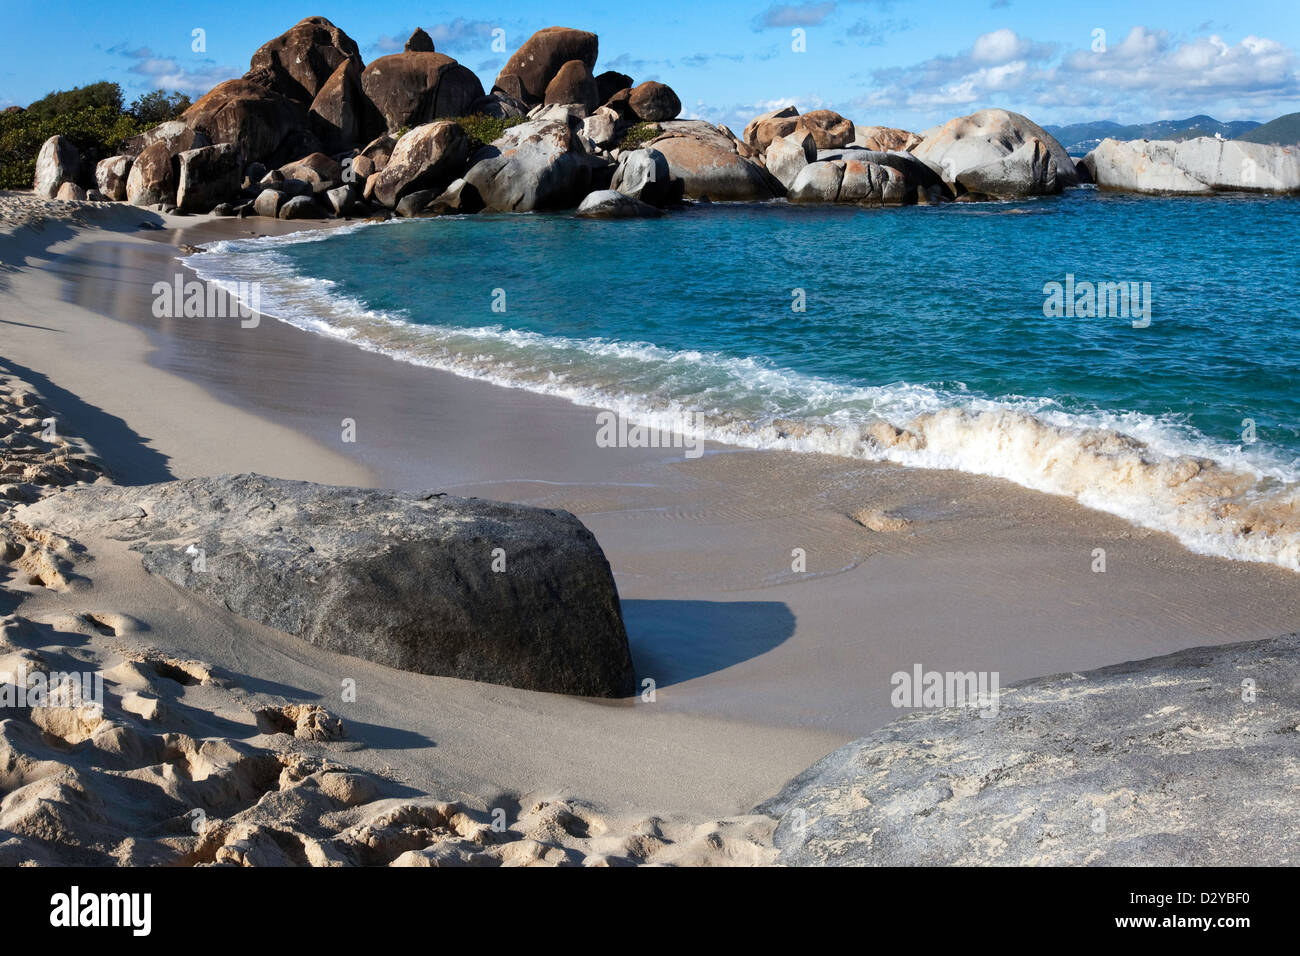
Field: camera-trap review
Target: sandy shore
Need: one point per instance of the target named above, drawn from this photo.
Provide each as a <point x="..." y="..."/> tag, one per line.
<point x="759" y="669"/>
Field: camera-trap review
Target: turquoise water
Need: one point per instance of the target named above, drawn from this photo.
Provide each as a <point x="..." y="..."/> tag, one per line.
<point x="929" y="319"/>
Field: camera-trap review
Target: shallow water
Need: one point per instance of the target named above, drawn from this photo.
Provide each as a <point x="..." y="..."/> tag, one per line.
<point x="932" y="320"/>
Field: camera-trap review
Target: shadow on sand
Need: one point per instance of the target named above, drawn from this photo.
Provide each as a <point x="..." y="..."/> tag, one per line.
<point x="674" y="641"/>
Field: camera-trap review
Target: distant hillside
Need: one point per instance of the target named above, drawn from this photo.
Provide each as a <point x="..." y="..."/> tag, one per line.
<point x="1079" y="138"/>
<point x="1283" y="131"/>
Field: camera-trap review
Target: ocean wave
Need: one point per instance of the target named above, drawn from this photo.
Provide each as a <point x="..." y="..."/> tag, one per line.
<point x="1234" y="501"/>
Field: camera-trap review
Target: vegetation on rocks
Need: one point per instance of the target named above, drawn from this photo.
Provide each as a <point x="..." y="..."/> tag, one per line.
<point x="638" y="135"/>
<point x="92" y="117"/>
<point x="483" y="130"/>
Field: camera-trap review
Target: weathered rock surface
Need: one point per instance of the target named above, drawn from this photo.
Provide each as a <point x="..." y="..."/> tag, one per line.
<point x="850" y="181"/>
<point x="761" y="130"/>
<point x="654" y="102"/>
<point x="410" y="89"/>
<point x="1029" y="171"/>
<point x="299" y="61"/>
<point x="788" y="155"/>
<point x="428" y="157"/>
<point x="985" y="137"/>
<point x="264" y="125"/>
<point x="644" y="174"/>
<point x="319" y="171"/>
<point x="153" y="177"/>
<point x="341" y="115"/>
<point x="419" y="42"/>
<point x="532" y="67"/>
<point x="611" y="204"/>
<point x="405" y="580"/>
<point x="1164" y="762"/>
<point x="610" y="82"/>
<point x="70" y="192"/>
<point x="828" y="129"/>
<point x="1194" y="167"/>
<point x="57" y="163"/>
<point x="301" y="207"/>
<point x="177" y="135"/>
<point x="110" y="176"/>
<point x="573" y="84"/>
<point x="540" y="164"/>
<point x="207" y="176"/>
<point x="884" y="138"/>
<point x="706" y="164"/>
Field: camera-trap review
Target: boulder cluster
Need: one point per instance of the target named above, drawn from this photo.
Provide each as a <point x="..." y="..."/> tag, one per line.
<point x="312" y="131"/>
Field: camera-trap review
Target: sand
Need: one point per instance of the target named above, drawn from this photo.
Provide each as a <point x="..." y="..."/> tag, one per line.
<point x="758" y="669"/>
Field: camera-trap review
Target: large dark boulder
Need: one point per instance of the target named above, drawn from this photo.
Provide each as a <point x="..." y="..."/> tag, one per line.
<point x="654" y="102"/>
<point x="574" y="84"/>
<point x="535" y="64"/>
<point x="341" y="116"/>
<point x="409" y="89"/>
<point x="420" y="42"/>
<point x="57" y="163"/>
<point x="153" y="177"/>
<point x="610" y="82"/>
<point x="540" y="164"/>
<point x="299" y="61"/>
<point x="456" y="587"/>
<point x="207" y="176"/>
<point x="265" y="126"/>
<point x="178" y="136"/>
<point x="428" y="157"/>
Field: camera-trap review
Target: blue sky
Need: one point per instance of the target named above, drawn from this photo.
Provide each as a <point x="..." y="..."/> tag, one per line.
<point x="879" y="62"/>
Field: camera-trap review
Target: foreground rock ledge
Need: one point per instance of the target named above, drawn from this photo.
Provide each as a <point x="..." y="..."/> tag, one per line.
<point x="405" y="580"/>
<point x="1159" y="762"/>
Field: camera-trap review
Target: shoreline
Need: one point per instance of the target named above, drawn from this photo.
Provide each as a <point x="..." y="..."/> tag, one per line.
<point x="759" y="671"/>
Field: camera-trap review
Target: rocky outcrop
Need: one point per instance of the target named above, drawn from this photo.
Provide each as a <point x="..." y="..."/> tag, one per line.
<point x="428" y="157"/>
<point x="884" y="138"/>
<point x="301" y="207"/>
<point x="611" y="82"/>
<point x="57" y="163"/>
<point x="988" y="137"/>
<point x="761" y="130"/>
<point x="455" y="587"/>
<point x="828" y="129"/>
<point x="1029" y="171"/>
<point x="299" y="61"/>
<point x="850" y="181"/>
<point x="644" y="174"/>
<point x="573" y="84"/>
<point x="654" y="102"/>
<point x="70" y="192"/>
<point x="787" y="156"/>
<point x="610" y="204"/>
<point x="341" y="115"/>
<point x="320" y="172"/>
<point x="532" y="67"/>
<point x="409" y="89"/>
<point x="207" y="176"/>
<point x="540" y="164"/>
<point x="262" y="124"/>
<point x="1194" y="167"/>
<point x="110" y="177"/>
<point x="153" y="177"/>
<point x="706" y="164"/>
<point x="177" y="135"/>
<point x="419" y="42"/>
<point x="1178" y="759"/>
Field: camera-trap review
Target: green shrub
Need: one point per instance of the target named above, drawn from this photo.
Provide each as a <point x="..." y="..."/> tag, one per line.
<point x="104" y="95"/>
<point x="159" y="107"/>
<point x="638" y="135"/>
<point x="96" y="131"/>
<point x="484" y="130"/>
